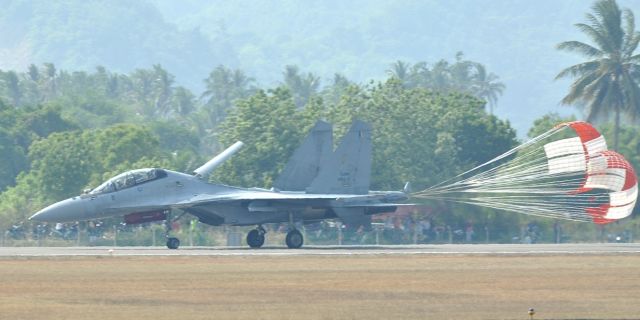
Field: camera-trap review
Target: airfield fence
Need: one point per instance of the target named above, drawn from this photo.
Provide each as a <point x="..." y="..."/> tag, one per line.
<point x="386" y="232"/>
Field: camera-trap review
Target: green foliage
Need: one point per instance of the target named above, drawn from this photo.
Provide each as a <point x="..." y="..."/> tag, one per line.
<point x="546" y="123"/>
<point x="100" y="98"/>
<point x="182" y="143"/>
<point x="61" y="164"/>
<point x="18" y="129"/>
<point x="65" y="163"/>
<point x="423" y="136"/>
<point x="629" y="141"/>
<point x="462" y="76"/>
<point x="13" y="159"/>
<point x="419" y="135"/>
<point x="270" y="126"/>
<point x="91" y="110"/>
<point x="303" y="87"/>
<point x="608" y="82"/>
<point x="71" y="131"/>
<point x="124" y="143"/>
<point x="223" y="86"/>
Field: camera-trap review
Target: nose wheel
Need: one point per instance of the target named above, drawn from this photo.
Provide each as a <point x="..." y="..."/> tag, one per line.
<point x="294" y="239"/>
<point x="173" y="243"/>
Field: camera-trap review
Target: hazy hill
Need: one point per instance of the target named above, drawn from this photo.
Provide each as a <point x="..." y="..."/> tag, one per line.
<point x="118" y="34"/>
<point x="514" y="39"/>
<point x="360" y="39"/>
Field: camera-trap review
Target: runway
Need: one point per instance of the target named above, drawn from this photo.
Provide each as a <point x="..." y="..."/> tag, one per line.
<point x="443" y="249"/>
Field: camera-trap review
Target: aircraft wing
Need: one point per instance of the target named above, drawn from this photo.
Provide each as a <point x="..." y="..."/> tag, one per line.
<point x="353" y="209"/>
<point x="273" y="197"/>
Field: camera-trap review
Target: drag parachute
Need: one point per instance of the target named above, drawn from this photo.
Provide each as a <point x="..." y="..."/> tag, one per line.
<point x="566" y="172"/>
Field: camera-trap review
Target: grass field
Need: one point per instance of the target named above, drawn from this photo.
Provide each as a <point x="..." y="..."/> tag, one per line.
<point x="321" y="287"/>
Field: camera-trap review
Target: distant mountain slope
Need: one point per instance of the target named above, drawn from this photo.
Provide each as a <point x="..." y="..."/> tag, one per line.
<point x="514" y="39"/>
<point x="360" y="39"/>
<point x="118" y="34"/>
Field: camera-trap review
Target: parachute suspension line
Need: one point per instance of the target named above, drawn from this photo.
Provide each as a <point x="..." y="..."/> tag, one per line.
<point x="566" y="172"/>
<point x="479" y="175"/>
<point x="498" y="158"/>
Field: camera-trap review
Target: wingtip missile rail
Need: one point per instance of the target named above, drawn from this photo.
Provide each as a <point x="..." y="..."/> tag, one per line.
<point x="216" y="161"/>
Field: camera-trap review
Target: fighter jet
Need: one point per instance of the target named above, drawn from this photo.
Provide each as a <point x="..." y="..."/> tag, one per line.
<point x="317" y="183"/>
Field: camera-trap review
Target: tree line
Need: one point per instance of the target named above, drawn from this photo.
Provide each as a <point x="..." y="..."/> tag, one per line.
<point x="65" y="131"/>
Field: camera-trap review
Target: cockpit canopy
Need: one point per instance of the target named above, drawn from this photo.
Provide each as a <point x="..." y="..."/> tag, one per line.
<point x="129" y="179"/>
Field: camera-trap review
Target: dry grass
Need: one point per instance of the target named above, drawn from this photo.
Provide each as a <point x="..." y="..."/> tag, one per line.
<point x="320" y="287"/>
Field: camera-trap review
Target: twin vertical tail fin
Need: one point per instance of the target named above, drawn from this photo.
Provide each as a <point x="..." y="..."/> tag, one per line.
<point x="304" y="165"/>
<point x="316" y="168"/>
<point x="348" y="170"/>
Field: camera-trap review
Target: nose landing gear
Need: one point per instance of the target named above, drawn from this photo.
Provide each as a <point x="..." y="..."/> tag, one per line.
<point x="173" y="243"/>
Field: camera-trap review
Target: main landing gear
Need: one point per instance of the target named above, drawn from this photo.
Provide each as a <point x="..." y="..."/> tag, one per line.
<point x="294" y="239"/>
<point x="255" y="237"/>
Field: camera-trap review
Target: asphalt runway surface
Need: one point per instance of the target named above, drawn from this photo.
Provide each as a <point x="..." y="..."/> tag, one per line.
<point x="443" y="249"/>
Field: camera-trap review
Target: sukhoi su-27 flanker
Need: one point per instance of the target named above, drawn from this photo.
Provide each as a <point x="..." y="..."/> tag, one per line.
<point x="316" y="184"/>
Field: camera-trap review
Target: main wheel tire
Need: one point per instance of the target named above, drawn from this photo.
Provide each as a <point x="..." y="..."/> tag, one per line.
<point x="294" y="239"/>
<point x="255" y="239"/>
<point x="173" y="243"/>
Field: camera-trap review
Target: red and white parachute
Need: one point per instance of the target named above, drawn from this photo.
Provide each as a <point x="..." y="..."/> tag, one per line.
<point x="567" y="172"/>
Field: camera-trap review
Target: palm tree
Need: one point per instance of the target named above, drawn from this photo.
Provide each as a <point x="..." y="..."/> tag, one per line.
<point x="142" y="81"/>
<point x="608" y="81"/>
<point x="460" y="72"/>
<point x="486" y="86"/>
<point x="183" y="101"/>
<point x="420" y="75"/>
<point x="242" y="84"/>
<point x="223" y="86"/>
<point x="337" y="88"/>
<point x="303" y="87"/>
<point x="12" y="84"/>
<point x="440" y="76"/>
<point x="50" y="80"/>
<point x="162" y="90"/>
<point x="401" y="70"/>
<point x="34" y="73"/>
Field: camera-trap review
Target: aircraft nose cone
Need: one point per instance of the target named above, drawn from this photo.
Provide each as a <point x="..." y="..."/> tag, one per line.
<point x="64" y="211"/>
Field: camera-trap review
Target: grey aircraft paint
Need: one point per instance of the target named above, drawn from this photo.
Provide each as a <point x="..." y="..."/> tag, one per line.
<point x="304" y="165"/>
<point x="323" y="185"/>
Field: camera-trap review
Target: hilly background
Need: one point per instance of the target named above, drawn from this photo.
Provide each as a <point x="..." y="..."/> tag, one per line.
<point x="359" y="39"/>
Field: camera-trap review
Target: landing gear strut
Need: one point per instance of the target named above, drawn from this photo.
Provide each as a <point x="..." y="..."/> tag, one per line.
<point x="255" y="237"/>
<point x="172" y="242"/>
<point x="294" y="238"/>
